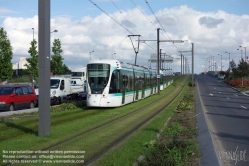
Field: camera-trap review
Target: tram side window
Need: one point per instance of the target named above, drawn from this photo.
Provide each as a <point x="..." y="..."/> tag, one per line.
<point x="147" y="80"/>
<point x="125" y="80"/>
<point x="141" y="81"/>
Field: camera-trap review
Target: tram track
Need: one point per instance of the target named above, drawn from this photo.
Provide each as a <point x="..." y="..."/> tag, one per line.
<point x="143" y="123"/>
<point x="56" y="120"/>
<point x="115" y="121"/>
<point x="136" y="124"/>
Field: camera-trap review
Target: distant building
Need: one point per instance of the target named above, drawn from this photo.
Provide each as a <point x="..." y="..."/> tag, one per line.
<point x="20" y="64"/>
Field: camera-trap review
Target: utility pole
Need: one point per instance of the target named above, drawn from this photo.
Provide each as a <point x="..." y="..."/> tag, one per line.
<point x="44" y="122"/>
<point x="182" y="57"/>
<point x="192" y="64"/>
<point x="158" y="57"/>
<point x="158" y="63"/>
<point x="181" y="64"/>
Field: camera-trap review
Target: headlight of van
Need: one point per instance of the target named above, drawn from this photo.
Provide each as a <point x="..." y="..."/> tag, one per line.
<point x="53" y="93"/>
<point x="2" y="102"/>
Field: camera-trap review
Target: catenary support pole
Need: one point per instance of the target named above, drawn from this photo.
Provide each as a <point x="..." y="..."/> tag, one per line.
<point x="44" y="67"/>
<point x="158" y="63"/>
<point x="192" y="64"/>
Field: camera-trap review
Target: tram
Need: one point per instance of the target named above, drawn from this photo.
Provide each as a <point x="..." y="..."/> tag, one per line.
<point x="111" y="83"/>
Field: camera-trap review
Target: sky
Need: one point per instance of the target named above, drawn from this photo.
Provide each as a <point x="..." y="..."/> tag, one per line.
<point x="216" y="28"/>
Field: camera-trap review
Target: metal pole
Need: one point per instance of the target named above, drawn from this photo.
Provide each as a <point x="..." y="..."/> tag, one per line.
<point x="181" y="64"/>
<point x="221" y="62"/>
<point x="213" y="62"/>
<point x="245" y="53"/>
<point x="136" y="59"/>
<point x="192" y="64"/>
<point x="158" y="74"/>
<point x="33" y="33"/>
<point x="208" y="63"/>
<point x="44" y="67"/>
<point x="160" y="62"/>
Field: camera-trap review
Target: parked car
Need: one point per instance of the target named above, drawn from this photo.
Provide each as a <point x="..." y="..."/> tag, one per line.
<point x="14" y="97"/>
<point x="221" y="77"/>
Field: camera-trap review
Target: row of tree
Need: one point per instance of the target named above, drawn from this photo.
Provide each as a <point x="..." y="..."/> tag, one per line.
<point x="238" y="72"/>
<point x="6" y="55"/>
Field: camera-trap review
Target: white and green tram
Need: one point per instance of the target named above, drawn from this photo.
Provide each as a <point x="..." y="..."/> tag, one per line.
<point x="111" y="83"/>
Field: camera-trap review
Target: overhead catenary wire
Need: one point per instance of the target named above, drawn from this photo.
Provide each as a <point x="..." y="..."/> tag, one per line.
<point x="142" y="13"/>
<point x="131" y="24"/>
<point x="160" y="23"/>
<point x="117" y="21"/>
<point x="147" y="19"/>
<point x="124" y="16"/>
<point x="110" y="17"/>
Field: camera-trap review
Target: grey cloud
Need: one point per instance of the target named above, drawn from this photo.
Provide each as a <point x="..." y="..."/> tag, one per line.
<point x="210" y="22"/>
<point x="167" y="19"/>
<point x="128" y="24"/>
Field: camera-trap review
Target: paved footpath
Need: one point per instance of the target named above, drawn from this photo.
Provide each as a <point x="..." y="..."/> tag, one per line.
<point x="7" y="113"/>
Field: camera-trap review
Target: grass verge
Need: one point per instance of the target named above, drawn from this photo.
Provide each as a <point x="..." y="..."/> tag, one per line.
<point x="140" y="142"/>
<point x="21" y="133"/>
<point x="177" y="145"/>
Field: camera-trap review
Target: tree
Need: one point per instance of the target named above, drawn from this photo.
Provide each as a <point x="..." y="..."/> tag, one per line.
<point x="57" y="60"/>
<point x="6" y="55"/>
<point x="32" y="66"/>
<point x="241" y="71"/>
<point x="66" y="70"/>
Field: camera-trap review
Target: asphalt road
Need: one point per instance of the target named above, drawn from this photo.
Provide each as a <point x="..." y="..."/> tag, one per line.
<point x="224" y="139"/>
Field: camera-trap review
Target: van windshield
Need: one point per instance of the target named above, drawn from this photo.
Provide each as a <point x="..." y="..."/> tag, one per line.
<point x="54" y="83"/>
<point x="6" y="90"/>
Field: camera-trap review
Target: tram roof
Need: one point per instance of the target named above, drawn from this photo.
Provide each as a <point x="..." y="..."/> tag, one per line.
<point x="114" y="62"/>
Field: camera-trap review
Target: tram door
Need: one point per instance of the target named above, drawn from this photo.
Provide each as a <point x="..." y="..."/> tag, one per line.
<point x="119" y="85"/>
<point x="124" y="84"/>
<point x="136" y="85"/>
<point x="151" y="84"/>
<point x="143" y="79"/>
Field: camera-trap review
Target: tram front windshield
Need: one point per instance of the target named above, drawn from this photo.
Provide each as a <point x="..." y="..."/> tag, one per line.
<point x="98" y="76"/>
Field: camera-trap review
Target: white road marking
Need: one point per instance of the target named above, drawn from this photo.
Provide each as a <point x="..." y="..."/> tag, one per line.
<point x="243" y="107"/>
<point x="210" y="94"/>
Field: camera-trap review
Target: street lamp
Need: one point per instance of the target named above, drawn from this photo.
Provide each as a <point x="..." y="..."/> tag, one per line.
<point x="113" y="54"/>
<point x="33" y="33"/>
<point x="229" y="61"/>
<point x="212" y="62"/>
<point x="220" y="61"/>
<point x="90" y="54"/>
<point x="54" y="31"/>
<point x="245" y="51"/>
<point x="241" y="53"/>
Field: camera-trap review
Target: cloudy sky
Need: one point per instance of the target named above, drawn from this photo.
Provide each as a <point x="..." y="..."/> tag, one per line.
<point x="102" y="26"/>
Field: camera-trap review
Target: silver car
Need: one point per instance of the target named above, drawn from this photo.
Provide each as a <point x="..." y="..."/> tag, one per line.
<point x="221" y="77"/>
